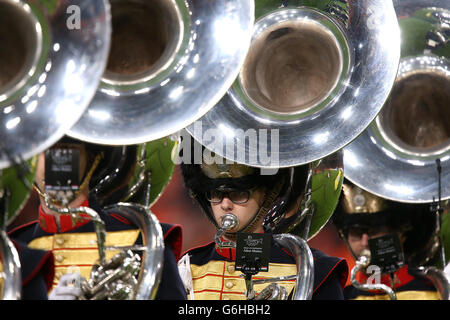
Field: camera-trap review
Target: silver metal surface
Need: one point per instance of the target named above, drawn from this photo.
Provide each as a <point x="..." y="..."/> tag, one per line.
<point x="229" y="221"/>
<point x="200" y="64"/>
<point x="362" y="263"/>
<point x="361" y="37"/>
<point x="11" y="276"/>
<point x="153" y="257"/>
<point x="438" y="278"/>
<point x="381" y="160"/>
<point x="305" y="264"/>
<point x="48" y="90"/>
<point x="273" y="292"/>
<point x="114" y="280"/>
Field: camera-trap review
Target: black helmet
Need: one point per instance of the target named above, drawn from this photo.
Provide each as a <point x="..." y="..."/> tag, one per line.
<point x="415" y="221"/>
<point x="110" y="181"/>
<point x="202" y="178"/>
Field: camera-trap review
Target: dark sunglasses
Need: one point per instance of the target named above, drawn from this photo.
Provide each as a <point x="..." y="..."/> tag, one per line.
<point x="236" y="196"/>
<point x="358" y="231"/>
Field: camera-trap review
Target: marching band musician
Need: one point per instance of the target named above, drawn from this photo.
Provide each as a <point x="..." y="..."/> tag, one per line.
<point x="403" y="234"/>
<point x="73" y="239"/>
<point x="209" y="271"/>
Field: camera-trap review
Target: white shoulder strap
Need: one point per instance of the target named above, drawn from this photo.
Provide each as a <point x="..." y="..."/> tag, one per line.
<point x="184" y="268"/>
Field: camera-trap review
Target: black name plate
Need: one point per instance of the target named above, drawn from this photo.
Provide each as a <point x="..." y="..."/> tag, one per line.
<point x="252" y="252"/>
<point x="387" y="253"/>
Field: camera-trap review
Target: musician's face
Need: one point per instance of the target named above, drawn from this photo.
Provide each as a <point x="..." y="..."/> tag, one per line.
<point x="244" y="212"/>
<point x="40" y="177"/>
<point x="358" y="238"/>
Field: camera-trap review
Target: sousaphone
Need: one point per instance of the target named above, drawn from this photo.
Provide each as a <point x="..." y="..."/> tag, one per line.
<point x="53" y="55"/>
<point x="404" y="155"/>
<point x="316" y="75"/>
<point x="395" y="158"/>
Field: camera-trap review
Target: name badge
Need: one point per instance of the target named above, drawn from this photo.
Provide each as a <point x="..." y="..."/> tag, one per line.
<point x="386" y="252"/>
<point x="252" y="252"/>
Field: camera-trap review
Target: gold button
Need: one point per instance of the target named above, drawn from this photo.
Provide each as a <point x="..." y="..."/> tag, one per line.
<point x="58" y="275"/>
<point x="59" y="258"/>
<point x="60" y="241"/>
<point x="229" y="284"/>
<point x="230" y="269"/>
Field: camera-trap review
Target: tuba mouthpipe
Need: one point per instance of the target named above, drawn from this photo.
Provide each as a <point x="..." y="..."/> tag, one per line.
<point x="153" y="256"/>
<point x="439" y="279"/>
<point x="12" y="280"/>
<point x="305" y="264"/>
<point x="229" y="221"/>
<point x="362" y="263"/>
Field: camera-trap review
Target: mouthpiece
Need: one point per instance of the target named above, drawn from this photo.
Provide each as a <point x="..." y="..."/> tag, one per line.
<point x="229" y="221"/>
<point x="364" y="258"/>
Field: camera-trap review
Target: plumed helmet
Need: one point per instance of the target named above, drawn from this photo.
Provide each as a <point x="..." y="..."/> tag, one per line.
<point x="417" y="222"/>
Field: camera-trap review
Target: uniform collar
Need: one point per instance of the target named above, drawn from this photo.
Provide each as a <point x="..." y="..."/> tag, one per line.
<point x="227" y="253"/>
<point x="47" y="221"/>
<point x="400" y="278"/>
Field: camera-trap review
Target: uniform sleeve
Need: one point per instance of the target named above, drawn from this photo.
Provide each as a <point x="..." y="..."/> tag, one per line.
<point x="331" y="289"/>
<point x="37" y="271"/>
<point x="330" y="276"/>
<point x="35" y="289"/>
<point x="171" y="286"/>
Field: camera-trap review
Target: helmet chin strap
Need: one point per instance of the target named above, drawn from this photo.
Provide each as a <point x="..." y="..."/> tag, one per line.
<point x="269" y="199"/>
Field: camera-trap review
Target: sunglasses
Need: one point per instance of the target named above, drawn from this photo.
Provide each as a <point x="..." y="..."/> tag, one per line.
<point x="235" y="196"/>
<point x="358" y="231"/>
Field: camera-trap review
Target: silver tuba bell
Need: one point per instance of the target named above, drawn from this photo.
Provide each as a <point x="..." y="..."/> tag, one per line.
<point x="314" y="78"/>
<point x="50" y="70"/>
<point x="170" y="62"/>
<point x="395" y="158"/>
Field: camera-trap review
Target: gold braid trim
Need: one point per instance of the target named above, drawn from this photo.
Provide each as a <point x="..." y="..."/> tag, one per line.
<point x="94" y="166"/>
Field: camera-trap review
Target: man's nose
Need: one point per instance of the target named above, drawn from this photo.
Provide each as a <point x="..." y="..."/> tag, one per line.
<point x="226" y="204"/>
<point x="365" y="240"/>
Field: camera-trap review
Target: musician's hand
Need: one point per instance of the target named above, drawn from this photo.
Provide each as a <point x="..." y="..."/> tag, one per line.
<point x="68" y="288"/>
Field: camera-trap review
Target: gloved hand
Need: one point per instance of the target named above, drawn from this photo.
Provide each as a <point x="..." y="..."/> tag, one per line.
<point x="68" y="288"/>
